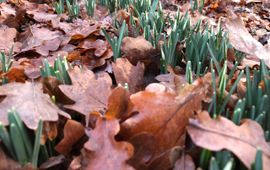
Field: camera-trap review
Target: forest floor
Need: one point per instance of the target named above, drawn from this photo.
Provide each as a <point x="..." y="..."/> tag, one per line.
<point x="126" y="84"/>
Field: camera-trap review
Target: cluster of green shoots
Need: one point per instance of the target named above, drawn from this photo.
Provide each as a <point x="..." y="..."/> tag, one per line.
<point x="73" y="7"/>
<point x="17" y="141"/>
<point x="6" y="62"/>
<point x="59" y="70"/>
<point x="116" y="42"/>
<point x="224" y="160"/>
<point x="197" y="6"/>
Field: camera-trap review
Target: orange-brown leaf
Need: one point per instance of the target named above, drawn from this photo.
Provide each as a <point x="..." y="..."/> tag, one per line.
<point x="30" y="102"/>
<point x="103" y="151"/>
<point x="89" y="91"/>
<point x="125" y="72"/>
<point x="73" y="131"/>
<point x="243" y="141"/>
<point x="165" y="115"/>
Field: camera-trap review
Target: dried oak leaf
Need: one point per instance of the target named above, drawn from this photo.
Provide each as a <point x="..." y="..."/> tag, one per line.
<point x="77" y="30"/>
<point x="118" y="103"/>
<point x="41" y="40"/>
<point x="15" y="74"/>
<point x="73" y="131"/>
<point x="243" y="140"/>
<point x="103" y="151"/>
<point x="242" y="40"/>
<point x="139" y="49"/>
<point x="89" y="91"/>
<point x="30" y="102"/>
<point x="7" y="38"/>
<point x="125" y="72"/>
<point x="164" y="115"/>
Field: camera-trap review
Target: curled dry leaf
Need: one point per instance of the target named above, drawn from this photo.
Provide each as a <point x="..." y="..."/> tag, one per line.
<point x="222" y="133"/>
<point x="41" y="40"/>
<point x="118" y="103"/>
<point x="15" y="74"/>
<point x="30" y="102"/>
<point x="89" y="91"/>
<point x="77" y="30"/>
<point x="73" y="131"/>
<point x="173" y="82"/>
<point x="139" y="49"/>
<point x="103" y="151"/>
<point x="164" y="115"/>
<point x="125" y="72"/>
<point x="242" y="40"/>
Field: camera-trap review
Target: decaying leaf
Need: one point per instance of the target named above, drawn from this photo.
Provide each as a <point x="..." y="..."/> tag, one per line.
<point x="243" y="141"/>
<point x="7" y="38"/>
<point x="30" y="102"/>
<point x="139" y="49"/>
<point x="118" y="103"/>
<point x="125" y="72"/>
<point x="242" y="40"/>
<point x="89" y="91"/>
<point x="73" y="131"/>
<point x="165" y="115"/>
<point x="103" y="151"/>
<point x="41" y="40"/>
<point x="7" y="163"/>
<point x="185" y="162"/>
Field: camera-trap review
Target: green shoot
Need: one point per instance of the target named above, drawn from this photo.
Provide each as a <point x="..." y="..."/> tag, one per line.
<point x="90" y="7"/>
<point x="73" y="8"/>
<point x="6" y="62"/>
<point x="59" y="70"/>
<point x="59" y="7"/>
<point x="37" y="144"/>
<point x="258" y="164"/>
<point x="116" y="42"/>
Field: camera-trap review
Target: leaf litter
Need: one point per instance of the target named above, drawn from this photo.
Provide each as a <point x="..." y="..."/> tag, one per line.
<point x="140" y="111"/>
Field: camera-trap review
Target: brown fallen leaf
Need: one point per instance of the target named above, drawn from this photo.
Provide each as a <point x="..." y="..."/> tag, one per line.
<point x="103" y="151"/>
<point x="118" y="103"/>
<point x="52" y="162"/>
<point x="7" y="38"/>
<point x="41" y="40"/>
<point x="242" y="40"/>
<point x="100" y="46"/>
<point x="184" y="163"/>
<point x="243" y="140"/>
<point x="125" y="72"/>
<point x="76" y="163"/>
<point x="49" y="131"/>
<point x="73" y="131"/>
<point x="139" y="49"/>
<point x="89" y="91"/>
<point x="15" y="74"/>
<point x="30" y="102"/>
<point x="164" y="115"/>
<point x="173" y="82"/>
<point x="6" y="163"/>
<point x="77" y="30"/>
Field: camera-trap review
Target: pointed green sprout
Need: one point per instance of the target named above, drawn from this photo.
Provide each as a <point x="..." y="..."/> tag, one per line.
<point x="258" y="164"/>
<point x="37" y="144"/>
<point x="116" y="42"/>
<point x="73" y="8"/>
<point x="90" y="7"/>
<point x="59" y="70"/>
<point x="59" y="7"/>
